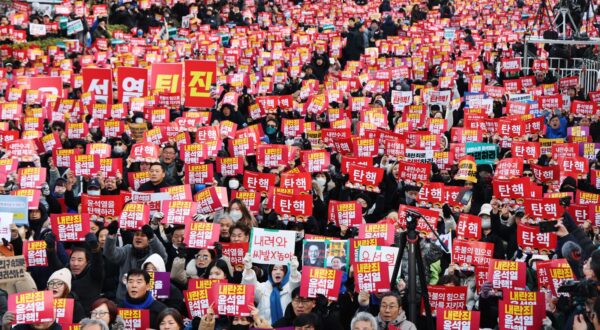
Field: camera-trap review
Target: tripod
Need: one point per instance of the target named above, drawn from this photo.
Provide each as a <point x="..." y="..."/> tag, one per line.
<point x="542" y="13"/>
<point x="410" y="239"/>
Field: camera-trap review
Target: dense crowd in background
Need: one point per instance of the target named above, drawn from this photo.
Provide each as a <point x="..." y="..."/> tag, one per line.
<point x="390" y="95"/>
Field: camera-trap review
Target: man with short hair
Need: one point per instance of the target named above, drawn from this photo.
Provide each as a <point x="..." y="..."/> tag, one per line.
<point x="390" y="311"/>
<point x="139" y="295"/>
<point x="158" y="179"/>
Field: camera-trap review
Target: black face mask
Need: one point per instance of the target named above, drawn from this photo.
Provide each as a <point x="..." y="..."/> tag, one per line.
<point x="239" y="327"/>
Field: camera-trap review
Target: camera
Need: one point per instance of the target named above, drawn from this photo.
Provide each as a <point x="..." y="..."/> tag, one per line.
<point x="585" y="288"/>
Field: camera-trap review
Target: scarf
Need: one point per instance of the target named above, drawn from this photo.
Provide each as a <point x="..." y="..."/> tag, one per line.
<point x="275" y="298"/>
<point x="142" y="303"/>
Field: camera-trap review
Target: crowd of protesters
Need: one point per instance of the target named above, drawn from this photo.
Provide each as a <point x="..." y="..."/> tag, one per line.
<point x="455" y="47"/>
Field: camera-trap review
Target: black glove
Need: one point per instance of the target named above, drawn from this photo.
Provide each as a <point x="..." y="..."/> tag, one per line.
<point x="92" y="241"/>
<point x="179" y="165"/>
<point x="50" y="240"/>
<point x="147" y="230"/>
<point x="113" y="227"/>
<point x="218" y="250"/>
<point x="5" y="242"/>
<point x="446" y="211"/>
<point x="182" y="251"/>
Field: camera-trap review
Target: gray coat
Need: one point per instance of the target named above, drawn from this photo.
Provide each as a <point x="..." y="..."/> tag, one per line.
<point x="124" y="257"/>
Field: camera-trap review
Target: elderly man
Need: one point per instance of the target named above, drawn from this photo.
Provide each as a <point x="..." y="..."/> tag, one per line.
<point x="390" y="311"/>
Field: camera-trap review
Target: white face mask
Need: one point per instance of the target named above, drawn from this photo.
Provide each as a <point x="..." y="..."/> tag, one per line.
<point x="233" y="184"/>
<point x="119" y="149"/>
<point x="321" y="181"/>
<point x="235" y="215"/>
<point x="94" y="192"/>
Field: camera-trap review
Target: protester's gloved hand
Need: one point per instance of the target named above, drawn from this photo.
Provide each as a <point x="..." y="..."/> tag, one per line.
<point x="486" y="290"/>
<point x="182" y="251"/>
<point x="294" y="264"/>
<point x="113" y="227"/>
<point x="45" y="189"/>
<point x="179" y="165"/>
<point x="157" y="216"/>
<point x="363" y="298"/>
<point x="147" y="230"/>
<point x="50" y="240"/>
<point x="247" y="261"/>
<point x="218" y="250"/>
<point x="92" y="241"/>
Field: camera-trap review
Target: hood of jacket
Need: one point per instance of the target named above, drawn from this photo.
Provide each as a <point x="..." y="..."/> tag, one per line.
<point x="156" y="260"/>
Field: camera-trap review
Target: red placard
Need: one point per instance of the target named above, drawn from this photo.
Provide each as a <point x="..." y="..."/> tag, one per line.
<point x="199" y="174"/>
<point x="144" y="151"/>
<point x="451" y="297"/>
<point x="471" y="252"/>
<point x="70" y="227"/>
<point x="101" y="149"/>
<point x="35" y="253"/>
<point x="102" y="206"/>
<point x="415" y="172"/>
<point x="52" y="85"/>
<point x="250" y="198"/>
<point x="322" y="281"/>
<point x="507" y="274"/>
<point x="543" y="208"/>
<point x="429" y="216"/>
<point x="211" y="199"/>
<point x="315" y="160"/>
<point x="99" y="83"/>
<point x="131" y="82"/>
<point x="469" y="227"/>
<point x="166" y="77"/>
<point x="552" y="273"/>
<point x="372" y="277"/>
<point x="196" y="297"/>
<point x="270" y="155"/>
<point x="32" y="177"/>
<point x="201" y="235"/>
<point x="134" y="216"/>
<point x="31" y="307"/>
<point x="23" y="150"/>
<point x="63" y="310"/>
<point x="177" y="212"/>
<point x="457" y="319"/>
<point x="135" y="319"/>
<point x="384" y="231"/>
<point x="345" y="213"/>
<point x="364" y="177"/>
<point x="301" y="181"/>
<point x="431" y="194"/>
<point x="235" y="252"/>
<point x="242" y="146"/>
<point x="86" y="165"/>
<point x="531" y="240"/>
<point x="194" y="153"/>
<point x="521" y="310"/>
<point x="299" y="206"/>
<point x="231" y="299"/>
<point x="230" y="166"/>
<point x="260" y="182"/>
<point x="33" y="196"/>
<point x="199" y="76"/>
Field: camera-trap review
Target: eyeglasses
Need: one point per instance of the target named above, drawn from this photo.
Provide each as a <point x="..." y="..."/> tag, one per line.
<point x="56" y="129"/>
<point x="55" y="284"/>
<point x="529" y="174"/>
<point x="118" y="143"/>
<point x="301" y="301"/>
<point x="389" y="307"/>
<point x="200" y="257"/>
<point x="98" y="314"/>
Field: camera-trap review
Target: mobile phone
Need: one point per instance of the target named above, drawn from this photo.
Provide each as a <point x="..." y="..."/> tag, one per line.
<point x="464" y="197"/>
<point x="548" y="226"/>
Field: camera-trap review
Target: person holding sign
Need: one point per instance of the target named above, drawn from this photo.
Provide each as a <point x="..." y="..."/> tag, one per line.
<point x="60" y="285"/>
<point x="274" y="295"/>
<point x="139" y="295"/>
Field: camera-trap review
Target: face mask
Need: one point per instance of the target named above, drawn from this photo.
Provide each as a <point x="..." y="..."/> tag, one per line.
<point x="271" y="130"/>
<point x="321" y="181"/>
<point x="234" y="184"/>
<point x="60" y="190"/>
<point x="119" y="150"/>
<point x="235" y="215"/>
<point x="94" y="192"/>
<point x="280" y="86"/>
<point x="486" y="222"/>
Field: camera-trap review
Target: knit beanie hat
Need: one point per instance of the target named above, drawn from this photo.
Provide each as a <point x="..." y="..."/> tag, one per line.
<point x="63" y="275"/>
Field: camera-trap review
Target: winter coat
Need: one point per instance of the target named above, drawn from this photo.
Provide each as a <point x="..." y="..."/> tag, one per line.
<point x="400" y="323"/>
<point x="88" y="284"/>
<point x="262" y="292"/>
<point x="125" y="257"/>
